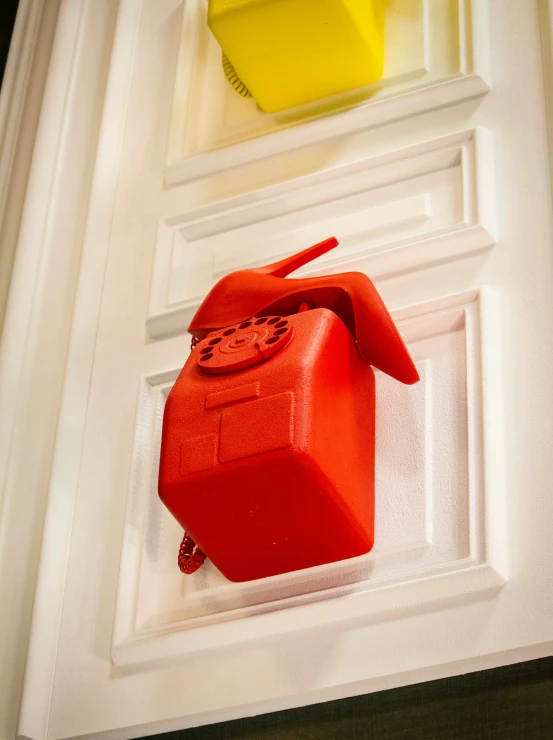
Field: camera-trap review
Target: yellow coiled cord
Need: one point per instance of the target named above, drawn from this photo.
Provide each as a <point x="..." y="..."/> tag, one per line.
<point x="234" y="81"/>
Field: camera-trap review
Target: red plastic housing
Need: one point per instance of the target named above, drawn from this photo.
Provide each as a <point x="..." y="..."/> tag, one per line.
<point x="268" y="446"/>
<point x="267" y="453"/>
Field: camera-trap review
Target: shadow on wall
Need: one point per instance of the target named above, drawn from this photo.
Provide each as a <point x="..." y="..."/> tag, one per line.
<point x="8" y="10"/>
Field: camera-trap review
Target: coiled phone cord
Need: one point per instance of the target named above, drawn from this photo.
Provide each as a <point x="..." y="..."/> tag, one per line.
<point x="234" y="81"/>
<point x="190" y="556"/>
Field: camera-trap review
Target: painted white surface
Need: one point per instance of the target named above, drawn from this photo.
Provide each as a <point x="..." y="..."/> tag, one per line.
<point x="423" y="204"/>
<point x="46" y="203"/>
<point x="439" y="54"/>
<point x="449" y="208"/>
<point x="432" y="502"/>
<point x="17" y="128"/>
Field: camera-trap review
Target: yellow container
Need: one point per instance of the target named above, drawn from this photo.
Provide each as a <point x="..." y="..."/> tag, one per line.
<point x="291" y="52"/>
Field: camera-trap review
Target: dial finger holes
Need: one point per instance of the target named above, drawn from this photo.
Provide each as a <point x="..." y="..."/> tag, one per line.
<point x="236" y="347"/>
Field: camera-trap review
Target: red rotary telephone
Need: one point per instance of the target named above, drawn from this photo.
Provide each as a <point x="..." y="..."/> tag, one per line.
<point x="267" y="453"/>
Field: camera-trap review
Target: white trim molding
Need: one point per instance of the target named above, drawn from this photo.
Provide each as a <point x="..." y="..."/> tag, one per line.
<point x="15" y="85"/>
<point x="386" y="208"/>
<point x="211" y="131"/>
<point x="110" y="262"/>
<point x="406" y="570"/>
<point x="68" y="93"/>
<point x="546" y="28"/>
<point x="25" y="70"/>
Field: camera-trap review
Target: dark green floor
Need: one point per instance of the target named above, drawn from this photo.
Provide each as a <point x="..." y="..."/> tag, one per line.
<point x="511" y="703"/>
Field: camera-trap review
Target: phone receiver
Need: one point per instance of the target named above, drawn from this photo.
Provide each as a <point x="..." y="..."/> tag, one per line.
<point x="351" y="296"/>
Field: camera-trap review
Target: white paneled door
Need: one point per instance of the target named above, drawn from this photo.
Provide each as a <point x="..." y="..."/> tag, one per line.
<point x="150" y="180"/>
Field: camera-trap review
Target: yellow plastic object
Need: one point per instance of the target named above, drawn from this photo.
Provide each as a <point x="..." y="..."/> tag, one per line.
<point x="291" y="52"/>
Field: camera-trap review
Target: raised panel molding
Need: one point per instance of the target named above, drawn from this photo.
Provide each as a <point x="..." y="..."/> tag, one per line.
<point x="439" y="529"/>
<point x="74" y="356"/>
<point x="437" y="53"/>
<point x="401" y="211"/>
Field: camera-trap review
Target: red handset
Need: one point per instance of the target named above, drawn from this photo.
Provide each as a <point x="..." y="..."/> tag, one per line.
<point x="267" y="455"/>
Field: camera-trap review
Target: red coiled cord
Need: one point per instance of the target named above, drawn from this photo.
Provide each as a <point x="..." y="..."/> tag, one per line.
<point x="190" y="556"/>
